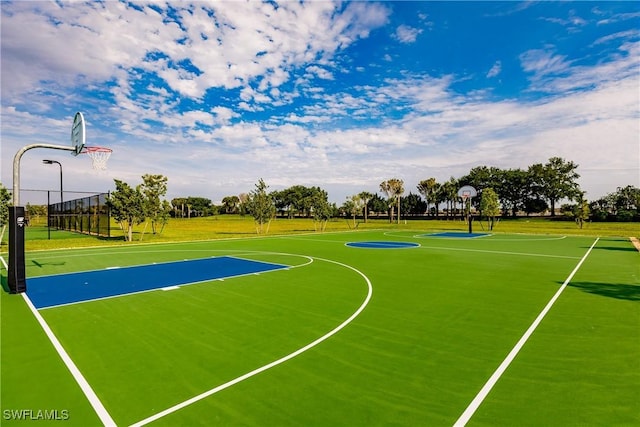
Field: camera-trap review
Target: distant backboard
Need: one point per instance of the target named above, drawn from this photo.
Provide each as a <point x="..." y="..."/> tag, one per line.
<point x="78" y="136"/>
<point x="467" y="192"/>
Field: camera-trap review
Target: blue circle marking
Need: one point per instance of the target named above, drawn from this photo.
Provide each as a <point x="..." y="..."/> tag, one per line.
<point x="383" y="245"/>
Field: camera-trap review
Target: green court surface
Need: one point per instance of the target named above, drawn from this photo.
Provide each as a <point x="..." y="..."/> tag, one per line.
<point x="407" y="335"/>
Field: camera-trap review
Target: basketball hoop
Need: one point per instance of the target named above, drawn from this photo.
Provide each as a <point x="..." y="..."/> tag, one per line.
<point x="466" y="193"/>
<point x="99" y="156"/>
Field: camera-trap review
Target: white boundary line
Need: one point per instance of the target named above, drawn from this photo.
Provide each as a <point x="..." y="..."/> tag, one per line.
<point x="482" y="394"/>
<point x="444" y="248"/>
<point x="272" y="364"/>
<point x="182" y="242"/>
<point x="95" y="402"/>
<point x="77" y="375"/>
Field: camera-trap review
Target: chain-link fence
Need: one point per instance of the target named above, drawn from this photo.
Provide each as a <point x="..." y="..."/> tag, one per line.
<point x="89" y="215"/>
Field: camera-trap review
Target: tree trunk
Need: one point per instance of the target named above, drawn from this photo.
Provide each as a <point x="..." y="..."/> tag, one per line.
<point x="143" y="231"/>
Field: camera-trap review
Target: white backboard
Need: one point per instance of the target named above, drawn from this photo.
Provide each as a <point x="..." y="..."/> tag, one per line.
<point x="78" y="136"/>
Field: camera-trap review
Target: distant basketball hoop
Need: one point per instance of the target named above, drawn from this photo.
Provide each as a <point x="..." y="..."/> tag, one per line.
<point x="99" y="156"/>
<point x="466" y="193"/>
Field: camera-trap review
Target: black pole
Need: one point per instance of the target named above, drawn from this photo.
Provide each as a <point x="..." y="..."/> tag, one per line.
<point x="50" y="162"/>
<point x="49" y="214"/>
<point x="61" y="192"/>
<point x="17" y="276"/>
<point x="469" y="215"/>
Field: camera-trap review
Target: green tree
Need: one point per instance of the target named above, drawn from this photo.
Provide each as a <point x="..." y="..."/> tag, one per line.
<point x="377" y="204"/>
<point x="127" y="207"/>
<point x="624" y="205"/>
<point x="449" y="194"/>
<point x="178" y="204"/>
<point x="365" y="196"/>
<point x="513" y="190"/>
<point x="535" y="205"/>
<point x="297" y="200"/>
<point x="627" y="198"/>
<point x="35" y="211"/>
<point x="581" y="211"/>
<point x="429" y="189"/>
<point x="261" y="206"/>
<point x="231" y="204"/>
<point x="482" y="177"/>
<point x="393" y="189"/>
<point x="555" y="180"/>
<point x="321" y="209"/>
<point x="192" y="206"/>
<point x="165" y="214"/>
<point x="412" y="204"/>
<point x="5" y="202"/>
<point x="490" y="206"/>
<point x="353" y="206"/>
<point x="154" y="187"/>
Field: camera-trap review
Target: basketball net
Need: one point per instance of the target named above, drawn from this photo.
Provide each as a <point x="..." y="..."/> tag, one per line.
<point x="99" y="156"/>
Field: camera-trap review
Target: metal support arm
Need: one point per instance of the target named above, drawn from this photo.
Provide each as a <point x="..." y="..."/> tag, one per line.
<point x="16" y="165"/>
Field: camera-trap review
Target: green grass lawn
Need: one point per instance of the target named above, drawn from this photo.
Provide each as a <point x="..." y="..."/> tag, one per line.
<point x="226" y="226"/>
<point x="440" y="320"/>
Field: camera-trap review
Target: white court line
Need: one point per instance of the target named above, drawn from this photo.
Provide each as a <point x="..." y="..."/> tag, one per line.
<point x="77" y="375"/>
<point x="95" y="402"/>
<point x="482" y="394"/>
<point x="444" y="248"/>
<point x="269" y="365"/>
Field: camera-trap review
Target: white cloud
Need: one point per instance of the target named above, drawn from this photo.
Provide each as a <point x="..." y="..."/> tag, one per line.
<point x="543" y="62"/>
<point x="406" y="34"/>
<point x="161" y="115"/>
<point x="555" y="74"/>
<point x="226" y="44"/>
<point x="322" y="73"/>
<point x="495" y="70"/>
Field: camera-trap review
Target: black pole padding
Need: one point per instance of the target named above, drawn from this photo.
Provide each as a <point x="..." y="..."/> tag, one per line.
<point x="17" y="277"/>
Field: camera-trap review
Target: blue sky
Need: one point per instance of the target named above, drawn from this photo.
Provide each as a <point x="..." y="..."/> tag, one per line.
<point x="215" y="95"/>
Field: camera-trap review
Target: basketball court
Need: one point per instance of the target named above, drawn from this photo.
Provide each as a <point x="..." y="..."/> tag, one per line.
<point x="275" y="330"/>
<point x="348" y="328"/>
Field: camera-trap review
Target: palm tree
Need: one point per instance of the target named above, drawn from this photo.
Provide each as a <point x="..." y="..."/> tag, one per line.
<point x="429" y="189"/>
<point x="231" y="204"/>
<point x="449" y="194"/>
<point x="393" y="189"/>
<point x="365" y="196"/>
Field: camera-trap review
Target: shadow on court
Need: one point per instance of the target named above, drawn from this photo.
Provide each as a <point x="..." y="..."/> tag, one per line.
<point x="618" y="291"/>
<point x="42" y="264"/>
<point x="616" y="248"/>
